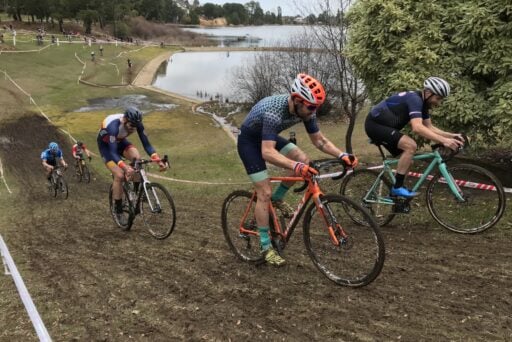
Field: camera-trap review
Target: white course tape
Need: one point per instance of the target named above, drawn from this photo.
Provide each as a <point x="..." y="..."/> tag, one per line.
<point x="41" y="331"/>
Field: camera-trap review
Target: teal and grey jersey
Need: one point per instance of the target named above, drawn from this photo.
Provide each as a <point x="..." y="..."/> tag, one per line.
<point x="271" y="115"/>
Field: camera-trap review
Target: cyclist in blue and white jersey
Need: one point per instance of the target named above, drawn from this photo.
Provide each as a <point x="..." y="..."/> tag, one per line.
<point x="113" y="145"/>
<point x="50" y="157"/>
<point x="386" y="119"/>
<point x="259" y="142"/>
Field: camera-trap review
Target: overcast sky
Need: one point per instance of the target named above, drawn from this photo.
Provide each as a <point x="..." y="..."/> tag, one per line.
<point x="287" y="6"/>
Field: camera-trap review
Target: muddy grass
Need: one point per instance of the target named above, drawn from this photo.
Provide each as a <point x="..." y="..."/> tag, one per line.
<point x="92" y="282"/>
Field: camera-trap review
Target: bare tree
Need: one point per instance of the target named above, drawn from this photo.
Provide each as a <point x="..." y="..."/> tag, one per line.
<point x="255" y="80"/>
<point x="272" y="72"/>
<point x="331" y="38"/>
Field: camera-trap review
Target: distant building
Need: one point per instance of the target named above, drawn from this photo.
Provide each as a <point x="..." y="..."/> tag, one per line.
<point x="299" y="20"/>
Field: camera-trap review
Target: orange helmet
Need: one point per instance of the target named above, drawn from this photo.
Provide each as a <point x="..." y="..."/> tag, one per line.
<point x="308" y="89"/>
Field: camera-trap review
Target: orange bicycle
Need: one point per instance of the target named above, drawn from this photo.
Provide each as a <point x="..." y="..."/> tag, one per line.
<point x="347" y="253"/>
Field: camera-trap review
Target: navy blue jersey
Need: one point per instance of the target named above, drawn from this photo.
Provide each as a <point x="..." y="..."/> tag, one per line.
<point x="397" y="110"/>
<point x="112" y="135"/>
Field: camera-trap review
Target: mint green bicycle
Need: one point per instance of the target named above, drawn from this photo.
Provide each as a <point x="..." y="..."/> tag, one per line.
<point x="463" y="198"/>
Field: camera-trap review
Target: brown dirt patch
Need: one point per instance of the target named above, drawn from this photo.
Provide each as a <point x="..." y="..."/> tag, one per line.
<point x="92" y="282"/>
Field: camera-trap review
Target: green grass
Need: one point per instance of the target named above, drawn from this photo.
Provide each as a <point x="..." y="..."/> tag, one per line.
<point x="199" y="150"/>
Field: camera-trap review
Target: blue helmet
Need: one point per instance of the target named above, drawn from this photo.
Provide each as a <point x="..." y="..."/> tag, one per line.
<point x="53" y="146"/>
<point x="133" y="115"/>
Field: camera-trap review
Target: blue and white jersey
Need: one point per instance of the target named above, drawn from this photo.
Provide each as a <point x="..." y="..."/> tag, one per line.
<point x="397" y="110"/>
<point x="271" y="115"/>
<point x="51" y="157"/>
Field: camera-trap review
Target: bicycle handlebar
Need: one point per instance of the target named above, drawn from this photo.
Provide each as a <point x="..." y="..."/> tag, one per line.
<point x="321" y="164"/>
<point x="137" y="163"/>
<point x="448" y="153"/>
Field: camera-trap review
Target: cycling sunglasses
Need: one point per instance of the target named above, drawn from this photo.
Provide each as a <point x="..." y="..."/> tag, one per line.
<point x="310" y="106"/>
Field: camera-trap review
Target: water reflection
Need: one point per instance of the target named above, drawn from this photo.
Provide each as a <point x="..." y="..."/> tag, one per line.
<point x="138" y="100"/>
<point x="250" y="36"/>
<point x="202" y="75"/>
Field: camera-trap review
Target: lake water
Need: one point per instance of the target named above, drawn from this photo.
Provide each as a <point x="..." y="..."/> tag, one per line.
<point x="202" y="75"/>
<point x="250" y="36"/>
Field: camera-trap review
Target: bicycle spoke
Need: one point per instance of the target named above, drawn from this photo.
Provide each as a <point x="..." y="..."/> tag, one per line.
<point x="361" y="186"/>
<point x="481" y="208"/>
<point x="62" y="188"/>
<point x="157" y="211"/>
<point x="356" y="256"/>
<point x="245" y="245"/>
<point x="126" y="216"/>
<point x="86" y="175"/>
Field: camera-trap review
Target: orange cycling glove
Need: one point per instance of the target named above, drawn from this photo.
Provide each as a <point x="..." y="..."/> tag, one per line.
<point x="349" y="159"/>
<point x="303" y="170"/>
<point x="155" y="157"/>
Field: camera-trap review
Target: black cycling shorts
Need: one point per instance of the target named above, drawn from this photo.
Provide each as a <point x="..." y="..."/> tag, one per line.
<point x="383" y="135"/>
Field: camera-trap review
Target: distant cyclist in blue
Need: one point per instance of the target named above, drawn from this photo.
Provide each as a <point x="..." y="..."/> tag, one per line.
<point x="113" y="145"/>
<point x="387" y="118"/>
<point x="50" y="157"/>
<point x="259" y="142"/>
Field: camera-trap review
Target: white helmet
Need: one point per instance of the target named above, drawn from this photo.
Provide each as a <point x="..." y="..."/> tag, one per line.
<point x="437" y="86"/>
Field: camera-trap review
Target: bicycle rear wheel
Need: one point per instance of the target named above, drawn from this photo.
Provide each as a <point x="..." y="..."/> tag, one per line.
<point x="86" y="175"/>
<point x="128" y="212"/>
<point x="357" y="186"/>
<point x="246" y="246"/>
<point x="357" y="257"/>
<point x="158" y="211"/>
<point x="481" y="208"/>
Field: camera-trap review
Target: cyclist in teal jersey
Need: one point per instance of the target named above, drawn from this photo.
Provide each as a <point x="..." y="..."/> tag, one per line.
<point x="259" y="142"/>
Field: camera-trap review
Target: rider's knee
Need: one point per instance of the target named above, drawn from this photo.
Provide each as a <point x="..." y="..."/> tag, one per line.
<point x="264" y="194"/>
<point x="118" y="175"/>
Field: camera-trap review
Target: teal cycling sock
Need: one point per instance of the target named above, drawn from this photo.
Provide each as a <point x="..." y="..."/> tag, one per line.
<point x="280" y="192"/>
<point x="264" y="238"/>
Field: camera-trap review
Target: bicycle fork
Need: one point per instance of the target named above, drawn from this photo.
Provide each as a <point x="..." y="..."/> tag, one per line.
<point x="336" y="232"/>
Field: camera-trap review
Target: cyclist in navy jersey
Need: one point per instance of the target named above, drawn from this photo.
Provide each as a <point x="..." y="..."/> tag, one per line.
<point x="113" y="145"/>
<point x="50" y="157"/>
<point x="259" y="142"/>
<point x="387" y="118"/>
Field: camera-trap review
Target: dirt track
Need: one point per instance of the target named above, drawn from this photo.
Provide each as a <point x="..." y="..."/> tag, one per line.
<point x="92" y="282"/>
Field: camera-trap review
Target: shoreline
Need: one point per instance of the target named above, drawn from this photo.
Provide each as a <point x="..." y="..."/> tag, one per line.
<point x="145" y="77"/>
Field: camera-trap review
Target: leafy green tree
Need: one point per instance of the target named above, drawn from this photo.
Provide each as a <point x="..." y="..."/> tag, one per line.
<point x="396" y="44"/>
<point x="236" y="14"/>
<point x="88" y="17"/>
<point x="255" y="12"/>
<point x="212" y="11"/>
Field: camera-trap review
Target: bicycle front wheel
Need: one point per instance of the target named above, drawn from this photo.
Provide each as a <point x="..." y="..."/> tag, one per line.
<point x="347" y="253"/>
<point x="125" y="219"/>
<point x="62" y="188"/>
<point x="361" y="186"/>
<point x="244" y="244"/>
<point x="86" y="175"/>
<point x="52" y="187"/>
<point x="78" y="173"/>
<point x="483" y="199"/>
<point x="158" y="211"/>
